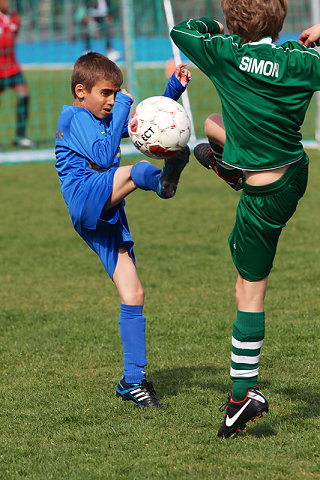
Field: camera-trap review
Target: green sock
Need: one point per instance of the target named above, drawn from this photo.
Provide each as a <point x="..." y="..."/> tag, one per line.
<point x="247" y="339"/>
<point x="22" y="115"/>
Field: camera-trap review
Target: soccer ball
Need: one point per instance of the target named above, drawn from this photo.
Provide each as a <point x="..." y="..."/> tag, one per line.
<point x="159" y="127"/>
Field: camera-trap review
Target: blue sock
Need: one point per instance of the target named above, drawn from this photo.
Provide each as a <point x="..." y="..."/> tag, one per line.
<point x="132" y="330"/>
<point x="145" y="176"/>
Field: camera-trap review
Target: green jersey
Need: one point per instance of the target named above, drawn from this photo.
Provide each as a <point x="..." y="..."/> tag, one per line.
<point x="265" y="90"/>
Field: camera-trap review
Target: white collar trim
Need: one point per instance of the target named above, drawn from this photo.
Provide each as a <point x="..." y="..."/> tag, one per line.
<point x="265" y="40"/>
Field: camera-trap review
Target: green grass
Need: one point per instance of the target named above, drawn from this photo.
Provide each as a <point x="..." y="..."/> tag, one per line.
<point x="50" y="89"/>
<point x="61" y="353"/>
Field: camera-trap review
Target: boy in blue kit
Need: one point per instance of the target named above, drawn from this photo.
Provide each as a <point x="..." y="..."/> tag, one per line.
<point x="94" y="187"/>
<point x="265" y="90"/>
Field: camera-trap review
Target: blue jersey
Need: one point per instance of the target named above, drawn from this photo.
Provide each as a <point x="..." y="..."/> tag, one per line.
<point x="88" y="155"/>
<point x="87" y="149"/>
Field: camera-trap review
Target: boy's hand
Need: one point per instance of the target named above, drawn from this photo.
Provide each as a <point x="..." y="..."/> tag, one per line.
<point x="310" y="37"/>
<point x="183" y="74"/>
<point x="221" y="27"/>
<point x="127" y="93"/>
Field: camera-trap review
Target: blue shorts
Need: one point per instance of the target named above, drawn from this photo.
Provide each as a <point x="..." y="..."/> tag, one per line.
<point x="104" y="231"/>
<point x="106" y="240"/>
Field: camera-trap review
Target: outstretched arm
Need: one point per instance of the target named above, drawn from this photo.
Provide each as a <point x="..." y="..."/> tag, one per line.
<point x="311" y="36"/>
<point x="178" y="82"/>
<point x="183" y="74"/>
<point x="199" y="39"/>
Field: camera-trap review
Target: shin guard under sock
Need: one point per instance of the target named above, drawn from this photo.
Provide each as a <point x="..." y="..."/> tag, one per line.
<point x="132" y="330"/>
<point x="247" y="339"/>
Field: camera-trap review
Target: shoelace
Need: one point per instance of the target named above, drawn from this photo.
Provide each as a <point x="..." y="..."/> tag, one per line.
<point x="224" y="405"/>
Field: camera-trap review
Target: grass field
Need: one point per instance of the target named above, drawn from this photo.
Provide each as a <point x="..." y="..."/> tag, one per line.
<point x="50" y="89"/>
<point x="61" y="355"/>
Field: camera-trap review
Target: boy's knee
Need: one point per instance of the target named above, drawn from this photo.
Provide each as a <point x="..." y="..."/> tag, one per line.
<point x="22" y="90"/>
<point x="207" y="126"/>
<point x="134" y="297"/>
<point x="214" y="118"/>
<point x="238" y="289"/>
<point x="145" y="175"/>
<point x="250" y="295"/>
<point x="138" y="172"/>
<point x="214" y="127"/>
<point x="139" y="296"/>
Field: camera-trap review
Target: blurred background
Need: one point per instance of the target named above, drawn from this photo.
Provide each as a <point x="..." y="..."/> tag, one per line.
<point x="51" y="34"/>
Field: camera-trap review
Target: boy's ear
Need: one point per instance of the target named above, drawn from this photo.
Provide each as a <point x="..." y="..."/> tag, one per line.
<point x="80" y="90"/>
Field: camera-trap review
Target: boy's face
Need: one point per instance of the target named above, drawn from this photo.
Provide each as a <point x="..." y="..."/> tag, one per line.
<point x="100" y="100"/>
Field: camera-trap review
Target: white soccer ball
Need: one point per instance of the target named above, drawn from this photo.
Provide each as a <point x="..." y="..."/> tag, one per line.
<point x="159" y="127"/>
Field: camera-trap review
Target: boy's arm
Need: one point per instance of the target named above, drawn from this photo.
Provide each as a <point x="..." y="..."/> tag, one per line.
<point x="194" y="39"/>
<point x="178" y="82"/>
<point x="125" y="132"/>
<point x="311" y="36"/>
<point x="86" y="139"/>
<point x="118" y="126"/>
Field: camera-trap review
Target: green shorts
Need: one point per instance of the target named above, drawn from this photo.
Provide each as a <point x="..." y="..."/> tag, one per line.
<point x="262" y="213"/>
<point x="12" y="81"/>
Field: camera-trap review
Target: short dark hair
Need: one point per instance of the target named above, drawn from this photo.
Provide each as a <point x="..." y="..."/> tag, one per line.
<point x="91" y="67"/>
<point x="255" y="19"/>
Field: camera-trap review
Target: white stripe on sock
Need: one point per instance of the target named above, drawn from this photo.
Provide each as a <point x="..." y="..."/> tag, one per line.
<point x="246" y="345"/>
<point x="243" y="359"/>
<point x="244" y="373"/>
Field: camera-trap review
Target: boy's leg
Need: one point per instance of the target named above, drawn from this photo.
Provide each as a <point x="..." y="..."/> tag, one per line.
<point x="133" y="385"/>
<point x="146" y="176"/>
<point x="122" y="186"/>
<point x="165" y="185"/>
<point x="246" y="401"/>
<point x="263" y="211"/>
<point x="22" y="116"/>
<point x="210" y="154"/>
<point x="248" y="335"/>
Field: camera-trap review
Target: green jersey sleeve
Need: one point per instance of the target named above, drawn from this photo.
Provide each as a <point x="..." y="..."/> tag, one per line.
<point x="264" y="88"/>
<point x="304" y="64"/>
<point x="194" y="38"/>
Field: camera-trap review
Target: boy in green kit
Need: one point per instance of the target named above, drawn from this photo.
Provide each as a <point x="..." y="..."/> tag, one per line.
<point x="265" y="91"/>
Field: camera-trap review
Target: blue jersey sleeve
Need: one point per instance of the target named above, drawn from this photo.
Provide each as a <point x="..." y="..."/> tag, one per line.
<point x="174" y="88"/>
<point x="96" y="140"/>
